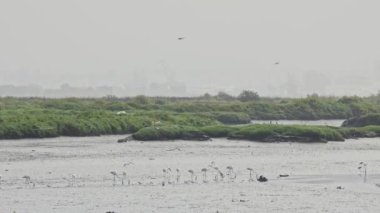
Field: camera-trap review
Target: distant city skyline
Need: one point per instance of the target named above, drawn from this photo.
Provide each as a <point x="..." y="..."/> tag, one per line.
<point x="330" y="47"/>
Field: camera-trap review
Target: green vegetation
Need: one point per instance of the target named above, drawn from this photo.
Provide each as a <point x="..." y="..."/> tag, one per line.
<point x="288" y="133"/>
<point x="257" y="132"/>
<point x="231" y="117"/>
<point x="219" y="131"/>
<point x="169" y="133"/>
<point x="310" y="108"/>
<point x="52" y="123"/>
<point x="247" y="95"/>
<point x="172" y="118"/>
<point x="361" y="121"/>
<point x="361" y="132"/>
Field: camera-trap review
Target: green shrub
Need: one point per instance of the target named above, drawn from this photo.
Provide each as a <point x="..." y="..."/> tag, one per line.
<point x="260" y="132"/>
<point x="167" y="133"/>
<point x="39" y="117"/>
<point x="232" y="118"/>
<point x="218" y="131"/>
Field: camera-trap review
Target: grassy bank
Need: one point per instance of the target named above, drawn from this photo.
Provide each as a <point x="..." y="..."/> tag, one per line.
<point x="257" y="132"/>
<point x="362" y="121"/>
<point x="360" y="132"/>
<point x="15" y="124"/>
<point x="180" y="117"/>
<point x="310" y="108"/>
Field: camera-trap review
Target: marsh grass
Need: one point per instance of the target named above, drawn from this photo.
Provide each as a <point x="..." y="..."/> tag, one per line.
<point x="157" y="118"/>
<point x="362" y="121"/>
<point x="256" y="132"/>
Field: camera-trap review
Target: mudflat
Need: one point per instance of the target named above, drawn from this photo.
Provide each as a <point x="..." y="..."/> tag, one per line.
<point x="71" y="174"/>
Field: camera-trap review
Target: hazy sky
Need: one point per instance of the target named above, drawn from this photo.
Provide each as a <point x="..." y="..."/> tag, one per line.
<point x="325" y="46"/>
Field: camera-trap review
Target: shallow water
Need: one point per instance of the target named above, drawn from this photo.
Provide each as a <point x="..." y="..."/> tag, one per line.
<point x="315" y="171"/>
<point x="301" y="122"/>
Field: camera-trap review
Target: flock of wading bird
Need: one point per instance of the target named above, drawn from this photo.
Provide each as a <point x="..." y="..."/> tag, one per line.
<point x="212" y="171"/>
<point x="209" y="174"/>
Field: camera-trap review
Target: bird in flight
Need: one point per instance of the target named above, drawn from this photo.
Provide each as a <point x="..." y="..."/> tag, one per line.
<point x="277" y="63"/>
<point x="181" y="38"/>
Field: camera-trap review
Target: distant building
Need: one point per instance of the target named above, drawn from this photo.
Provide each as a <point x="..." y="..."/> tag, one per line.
<point x="167" y="89"/>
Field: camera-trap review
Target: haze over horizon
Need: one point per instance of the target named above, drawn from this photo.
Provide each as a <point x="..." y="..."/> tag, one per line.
<point x="325" y="47"/>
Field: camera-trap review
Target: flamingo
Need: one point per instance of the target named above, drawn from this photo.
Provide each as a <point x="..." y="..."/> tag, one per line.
<point x="27" y="179"/>
<point x="230" y="173"/>
<point x="164" y="177"/>
<point x="204" y="170"/>
<point x="221" y="175"/>
<point x="363" y="166"/>
<point x="217" y="174"/>
<point x="178" y="176"/>
<point x="169" y="175"/>
<point x="250" y="174"/>
<point x="193" y="177"/>
<point x="114" y="177"/>
<point x="123" y="178"/>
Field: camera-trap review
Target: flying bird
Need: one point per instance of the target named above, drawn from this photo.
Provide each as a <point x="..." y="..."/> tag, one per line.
<point x="181" y="38"/>
<point x="277" y="63"/>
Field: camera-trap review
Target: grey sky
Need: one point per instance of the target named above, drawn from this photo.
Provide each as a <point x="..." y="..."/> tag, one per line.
<point x="324" y="46"/>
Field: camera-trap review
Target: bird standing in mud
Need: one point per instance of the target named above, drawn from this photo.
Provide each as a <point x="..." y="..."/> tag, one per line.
<point x="363" y="167"/>
<point x="193" y="177"/>
<point x="204" y="170"/>
<point x="178" y="176"/>
<point x="114" y="177"/>
<point x="218" y="174"/>
<point x="250" y="174"/>
<point x="28" y="181"/>
<point x="169" y="175"/>
<point x="123" y="178"/>
<point x="164" y="176"/>
<point x="230" y="173"/>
